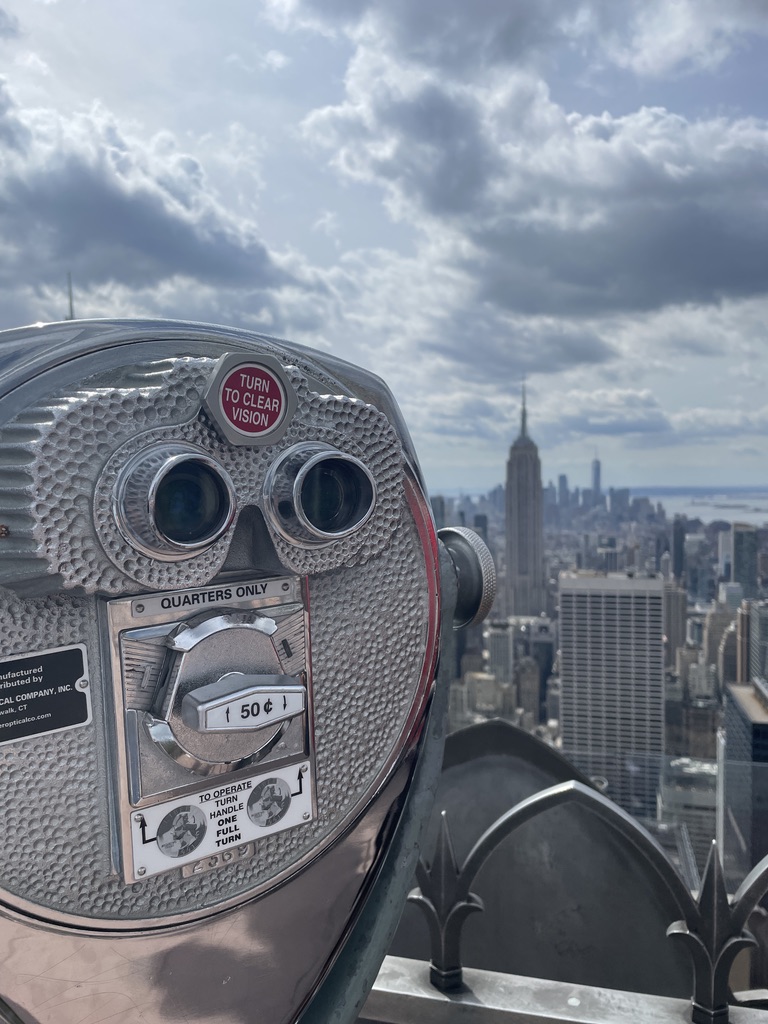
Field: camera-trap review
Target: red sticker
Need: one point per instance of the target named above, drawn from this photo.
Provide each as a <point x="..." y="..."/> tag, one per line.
<point x="252" y="399"/>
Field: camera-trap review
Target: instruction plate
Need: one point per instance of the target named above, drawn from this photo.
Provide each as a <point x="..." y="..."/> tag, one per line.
<point x="44" y="692"/>
<point x="221" y="819"/>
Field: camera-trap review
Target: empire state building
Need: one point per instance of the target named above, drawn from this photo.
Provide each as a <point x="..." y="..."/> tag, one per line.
<point x="524" y="526"/>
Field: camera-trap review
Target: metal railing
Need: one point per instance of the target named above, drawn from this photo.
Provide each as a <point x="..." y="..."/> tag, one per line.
<point x="403" y="995"/>
<point x="712" y="927"/>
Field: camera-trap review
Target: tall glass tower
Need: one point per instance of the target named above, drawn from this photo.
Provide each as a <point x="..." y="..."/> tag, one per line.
<point x="596" y="492"/>
<point x="524" y="526"/>
<point x="744" y="565"/>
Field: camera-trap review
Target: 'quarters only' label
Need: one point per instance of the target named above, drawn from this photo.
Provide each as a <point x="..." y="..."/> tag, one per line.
<point x="243" y="593"/>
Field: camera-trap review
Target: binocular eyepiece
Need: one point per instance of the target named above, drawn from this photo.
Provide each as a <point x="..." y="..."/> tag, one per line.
<point x="315" y="494"/>
<point x="173" y="500"/>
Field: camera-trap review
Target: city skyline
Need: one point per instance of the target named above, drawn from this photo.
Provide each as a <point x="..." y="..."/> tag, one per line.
<point x="455" y="196"/>
<point x="748" y="503"/>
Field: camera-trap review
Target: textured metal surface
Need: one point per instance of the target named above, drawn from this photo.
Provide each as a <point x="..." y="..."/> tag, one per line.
<point x="62" y="776"/>
<point x="476" y="573"/>
<point x="52" y="456"/>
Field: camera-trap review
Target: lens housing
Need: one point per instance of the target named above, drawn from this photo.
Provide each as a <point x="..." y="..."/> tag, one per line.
<point x="173" y="501"/>
<point x="315" y="494"/>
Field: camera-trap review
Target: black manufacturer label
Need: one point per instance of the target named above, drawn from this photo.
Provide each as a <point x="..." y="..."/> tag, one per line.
<point x="43" y="692"/>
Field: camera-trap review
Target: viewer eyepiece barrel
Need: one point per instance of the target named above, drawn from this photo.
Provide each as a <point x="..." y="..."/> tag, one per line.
<point x="173" y="501"/>
<point x="316" y="494"/>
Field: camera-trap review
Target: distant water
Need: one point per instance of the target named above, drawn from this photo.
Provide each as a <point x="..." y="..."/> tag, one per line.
<point x="733" y="504"/>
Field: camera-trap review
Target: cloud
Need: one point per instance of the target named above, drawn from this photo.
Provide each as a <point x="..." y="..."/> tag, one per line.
<point x="687" y="35"/>
<point x="32" y="62"/>
<point x="122" y="212"/>
<point x="608" y="412"/>
<point x="647" y="37"/>
<point x="637" y="417"/>
<point x="272" y="60"/>
<point x="82" y="190"/>
<point x="9" y="25"/>
<point x="327" y="223"/>
<point x="603" y="247"/>
<point x="490" y="347"/>
<point x="469" y="418"/>
<point x="689" y="354"/>
<point x="456" y="37"/>
<point x="275" y="60"/>
<point x="462" y="416"/>
<point x="601" y="254"/>
<point x="704" y="425"/>
<point x="559" y="213"/>
<point x="748" y="451"/>
<point x="13" y="134"/>
<point x="138" y="222"/>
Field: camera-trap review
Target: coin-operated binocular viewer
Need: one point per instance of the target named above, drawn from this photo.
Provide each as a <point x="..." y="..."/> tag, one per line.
<point x="220" y="612"/>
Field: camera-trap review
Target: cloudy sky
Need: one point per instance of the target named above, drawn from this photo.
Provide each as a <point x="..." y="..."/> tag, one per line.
<point x="454" y="194"/>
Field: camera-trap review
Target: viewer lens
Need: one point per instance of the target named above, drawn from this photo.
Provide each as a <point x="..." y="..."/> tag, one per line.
<point x="191" y="503"/>
<point x="336" y="495"/>
<point x="315" y="494"/>
<point x="172" y="500"/>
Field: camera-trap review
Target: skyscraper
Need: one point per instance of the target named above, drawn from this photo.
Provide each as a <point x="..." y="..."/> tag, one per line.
<point x="524" y="526"/>
<point x="438" y="511"/>
<point x="499" y="645"/>
<point x="744" y="766"/>
<point x="675" y="611"/>
<point x="744" y="565"/>
<point x="612" y="674"/>
<point x="725" y="553"/>
<point x="563" y="495"/>
<point x="596" y="492"/>
<point x="678" y="547"/>
<point x="758" y="639"/>
<point x="743" y="622"/>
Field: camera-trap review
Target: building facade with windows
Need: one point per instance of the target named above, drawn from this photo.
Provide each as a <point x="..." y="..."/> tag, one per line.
<point x="744" y="769"/>
<point x="757" y="638"/>
<point x="612" y="676"/>
<point x="744" y="566"/>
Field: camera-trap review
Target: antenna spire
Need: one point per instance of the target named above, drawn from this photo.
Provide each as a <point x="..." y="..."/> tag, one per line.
<point x="71" y="302"/>
<point x="524" y="416"/>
